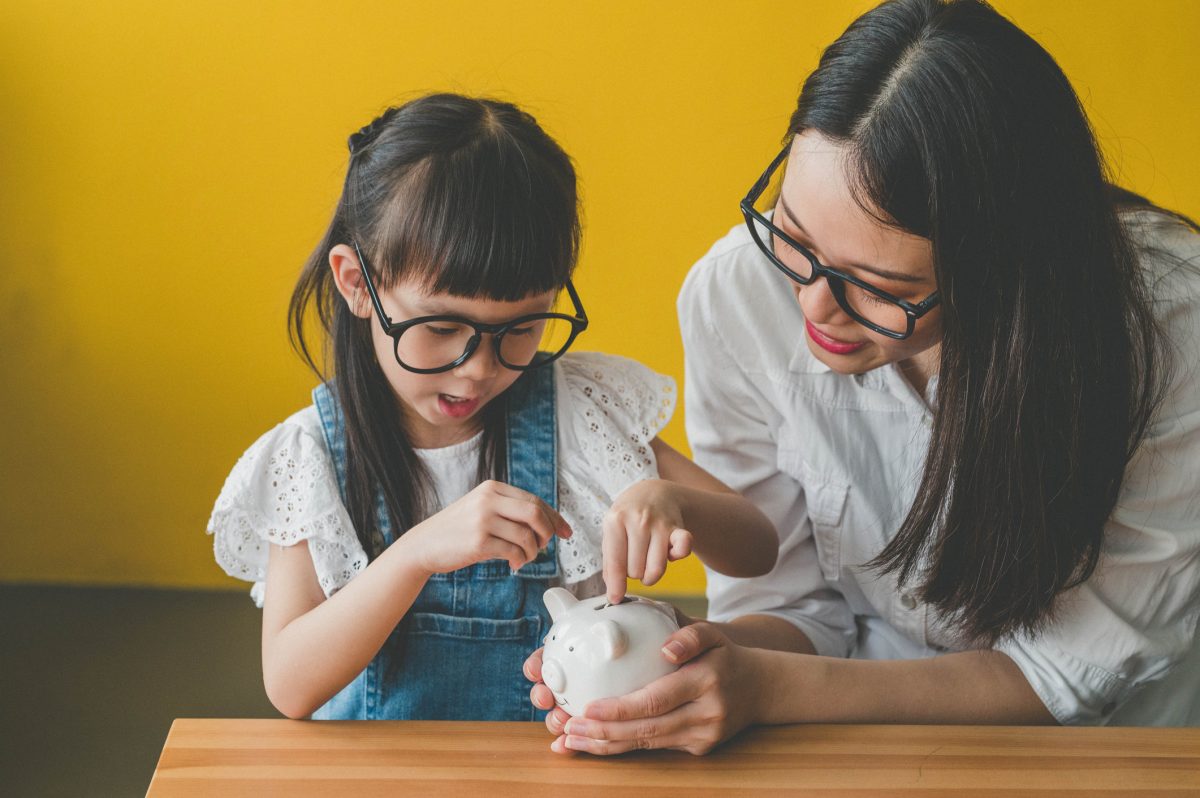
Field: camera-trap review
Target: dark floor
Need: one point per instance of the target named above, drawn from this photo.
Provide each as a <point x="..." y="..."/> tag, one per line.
<point x="91" y="678"/>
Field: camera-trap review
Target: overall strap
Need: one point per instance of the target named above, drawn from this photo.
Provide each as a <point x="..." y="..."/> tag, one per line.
<point x="532" y="457"/>
<point x="333" y="426"/>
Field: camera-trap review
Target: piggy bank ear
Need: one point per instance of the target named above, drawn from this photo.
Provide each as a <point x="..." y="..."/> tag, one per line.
<point x="558" y="601"/>
<point x="613" y="641"/>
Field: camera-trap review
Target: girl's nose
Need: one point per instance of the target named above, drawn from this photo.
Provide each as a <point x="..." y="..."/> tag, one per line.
<point x="482" y="364"/>
<point x="817" y="302"/>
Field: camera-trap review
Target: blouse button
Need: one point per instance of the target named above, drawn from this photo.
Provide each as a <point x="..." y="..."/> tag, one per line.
<point x="907" y="601"/>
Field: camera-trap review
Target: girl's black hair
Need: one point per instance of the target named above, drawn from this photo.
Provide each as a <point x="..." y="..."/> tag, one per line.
<point x="963" y="130"/>
<point x="463" y="195"/>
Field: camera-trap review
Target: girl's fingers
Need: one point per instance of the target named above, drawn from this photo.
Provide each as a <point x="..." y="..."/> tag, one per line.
<point x="551" y="522"/>
<point x="495" y="548"/>
<point x="518" y="534"/>
<point x="681" y="544"/>
<point x="527" y="513"/>
<point x="656" y="559"/>
<point x="614" y="555"/>
<point x="658" y="698"/>
<point x="637" y="541"/>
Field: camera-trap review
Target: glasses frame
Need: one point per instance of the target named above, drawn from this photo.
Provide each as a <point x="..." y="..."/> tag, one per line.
<point x="835" y="278"/>
<point x="578" y="322"/>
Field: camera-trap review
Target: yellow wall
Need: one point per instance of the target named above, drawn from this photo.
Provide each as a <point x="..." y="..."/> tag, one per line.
<point x="167" y="167"/>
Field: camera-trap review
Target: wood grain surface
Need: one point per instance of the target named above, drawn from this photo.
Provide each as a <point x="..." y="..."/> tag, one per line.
<point x="375" y="758"/>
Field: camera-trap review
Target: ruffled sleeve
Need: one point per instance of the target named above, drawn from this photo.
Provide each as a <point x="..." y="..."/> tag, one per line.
<point x="609" y="409"/>
<point x="283" y="490"/>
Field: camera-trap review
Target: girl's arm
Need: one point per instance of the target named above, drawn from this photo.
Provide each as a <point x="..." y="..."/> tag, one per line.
<point x="658" y="520"/>
<point x="313" y="646"/>
<point x="723" y="688"/>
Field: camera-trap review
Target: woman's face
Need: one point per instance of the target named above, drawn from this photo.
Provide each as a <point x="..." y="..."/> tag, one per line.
<point x="817" y="209"/>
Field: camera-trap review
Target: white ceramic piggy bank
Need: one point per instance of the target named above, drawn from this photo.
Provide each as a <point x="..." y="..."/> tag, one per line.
<point x="600" y="650"/>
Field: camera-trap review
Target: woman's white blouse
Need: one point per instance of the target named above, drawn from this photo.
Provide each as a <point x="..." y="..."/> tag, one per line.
<point x="284" y="489"/>
<point x="834" y="460"/>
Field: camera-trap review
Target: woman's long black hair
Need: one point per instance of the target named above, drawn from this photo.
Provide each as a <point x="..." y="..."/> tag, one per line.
<point x="963" y="130"/>
<point x="467" y="196"/>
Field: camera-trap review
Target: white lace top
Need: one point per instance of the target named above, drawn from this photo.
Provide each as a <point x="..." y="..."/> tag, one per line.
<point x="284" y="488"/>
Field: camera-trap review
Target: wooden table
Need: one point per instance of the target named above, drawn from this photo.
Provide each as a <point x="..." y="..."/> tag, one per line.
<point x="393" y="758"/>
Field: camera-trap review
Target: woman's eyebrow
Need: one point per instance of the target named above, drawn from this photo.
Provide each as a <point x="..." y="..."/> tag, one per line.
<point x="887" y="274"/>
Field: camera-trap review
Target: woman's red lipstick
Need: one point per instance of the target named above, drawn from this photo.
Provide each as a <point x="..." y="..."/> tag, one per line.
<point x="831" y="344"/>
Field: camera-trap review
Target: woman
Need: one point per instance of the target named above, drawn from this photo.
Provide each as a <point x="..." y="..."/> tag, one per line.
<point x="983" y="459"/>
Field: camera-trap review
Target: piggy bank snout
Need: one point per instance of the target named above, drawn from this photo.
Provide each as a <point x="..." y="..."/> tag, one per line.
<point x="553" y="675"/>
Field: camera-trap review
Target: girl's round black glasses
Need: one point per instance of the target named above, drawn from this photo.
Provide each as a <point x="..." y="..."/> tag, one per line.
<point x="433" y="344"/>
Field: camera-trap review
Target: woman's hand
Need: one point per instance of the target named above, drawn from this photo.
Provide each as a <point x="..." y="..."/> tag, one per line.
<point x="541" y="697"/>
<point x="643" y="531"/>
<point x="714" y="695"/>
<point x="494" y="521"/>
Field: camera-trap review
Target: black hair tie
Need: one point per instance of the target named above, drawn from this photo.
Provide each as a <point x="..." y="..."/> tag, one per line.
<point x="366" y="134"/>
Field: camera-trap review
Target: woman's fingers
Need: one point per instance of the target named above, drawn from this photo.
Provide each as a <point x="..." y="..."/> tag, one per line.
<point x="691" y="641"/>
<point x="556" y="720"/>
<point x="533" y="666"/>
<point x="541" y="697"/>
<point x="657" y="698"/>
<point x="675" y="729"/>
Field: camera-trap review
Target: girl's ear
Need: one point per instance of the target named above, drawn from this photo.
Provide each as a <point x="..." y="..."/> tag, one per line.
<point x="347" y="275"/>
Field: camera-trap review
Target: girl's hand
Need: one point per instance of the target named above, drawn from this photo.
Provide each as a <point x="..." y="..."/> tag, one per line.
<point x="494" y="521"/>
<point x="541" y="697"/>
<point x="713" y="696"/>
<point x="643" y="531"/>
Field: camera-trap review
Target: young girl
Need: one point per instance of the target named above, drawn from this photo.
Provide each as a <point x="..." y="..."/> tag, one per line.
<point x="401" y="531"/>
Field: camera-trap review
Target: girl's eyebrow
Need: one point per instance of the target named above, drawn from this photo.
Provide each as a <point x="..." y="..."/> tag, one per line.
<point x="887" y="274"/>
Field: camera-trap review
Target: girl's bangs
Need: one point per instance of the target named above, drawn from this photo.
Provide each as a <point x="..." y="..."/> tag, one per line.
<point x="478" y="223"/>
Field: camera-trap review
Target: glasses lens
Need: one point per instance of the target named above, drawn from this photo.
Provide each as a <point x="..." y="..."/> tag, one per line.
<point x="874" y="309"/>
<point x="792" y="259"/>
<point x="433" y="344"/>
<point x="520" y="344"/>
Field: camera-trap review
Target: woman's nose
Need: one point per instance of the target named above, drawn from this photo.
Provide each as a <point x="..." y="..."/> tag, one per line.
<point x="817" y="302"/>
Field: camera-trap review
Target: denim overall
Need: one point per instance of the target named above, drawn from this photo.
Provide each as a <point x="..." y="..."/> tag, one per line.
<point x="458" y="652"/>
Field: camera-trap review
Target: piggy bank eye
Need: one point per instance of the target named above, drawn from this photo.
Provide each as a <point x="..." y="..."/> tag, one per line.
<point x="551" y="637"/>
<point x="570" y="648"/>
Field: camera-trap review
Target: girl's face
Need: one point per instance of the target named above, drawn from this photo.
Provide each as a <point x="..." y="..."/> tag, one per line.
<point x="817" y="209"/>
<point x="439" y="409"/>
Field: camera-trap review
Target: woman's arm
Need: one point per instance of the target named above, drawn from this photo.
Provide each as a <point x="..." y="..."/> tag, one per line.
<point x="723" y="687"/>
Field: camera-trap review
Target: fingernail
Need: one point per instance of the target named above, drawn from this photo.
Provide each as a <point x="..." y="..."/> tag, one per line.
<point x="673" y="650"/>
<point x="576" y="743"/>
<point x="577" y="727"/>
<point x="557" y="745"/>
